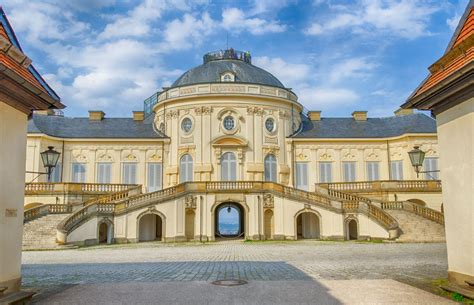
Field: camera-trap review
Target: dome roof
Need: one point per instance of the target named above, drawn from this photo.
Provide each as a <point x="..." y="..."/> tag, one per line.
<point x="213" y="68"/>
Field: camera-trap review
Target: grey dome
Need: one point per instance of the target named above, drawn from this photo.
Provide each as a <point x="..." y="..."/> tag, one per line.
<point x="210" y="72"/>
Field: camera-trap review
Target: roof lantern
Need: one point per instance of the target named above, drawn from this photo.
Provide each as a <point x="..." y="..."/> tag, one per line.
<point x="228" y="54"/>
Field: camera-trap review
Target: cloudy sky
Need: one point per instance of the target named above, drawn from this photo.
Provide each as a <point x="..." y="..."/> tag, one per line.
<point x="338" y="56"/>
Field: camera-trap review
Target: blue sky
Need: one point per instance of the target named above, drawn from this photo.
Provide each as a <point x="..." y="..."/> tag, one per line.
<point x="338" y="56"/>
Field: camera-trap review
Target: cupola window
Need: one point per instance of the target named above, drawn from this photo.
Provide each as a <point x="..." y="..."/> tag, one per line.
<point x="227" y="77"/>
<point x="229" y="122"/>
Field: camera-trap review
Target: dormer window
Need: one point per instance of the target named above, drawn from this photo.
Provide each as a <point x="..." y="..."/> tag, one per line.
<point x="228" y="77"/>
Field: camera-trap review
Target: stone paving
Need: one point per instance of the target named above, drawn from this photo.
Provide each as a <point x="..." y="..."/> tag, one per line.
<point x="414" y="264"/>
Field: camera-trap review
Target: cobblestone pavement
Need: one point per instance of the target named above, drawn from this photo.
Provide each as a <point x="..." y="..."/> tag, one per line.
<point x="414" y="264"/>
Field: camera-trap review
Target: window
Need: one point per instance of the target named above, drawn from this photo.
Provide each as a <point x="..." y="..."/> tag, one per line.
<point x="186" y="168"/>
<point x="431" y="164"/>
<point x="302" y="175"/>
<point x="129" y="173"/>
<point x="78" y="172"/>
<point x="325" y="172"/>
<point x="104" y="172"/>
<point x="227" y="77"/>
<point x="270" y="125"/>
<point x="186" y="125"/>
<point x="154" y="177"/>
<point x="56" y="174"/>
<point x="270" y="168"/>
<point x="373" y="171"/>
<point x="349" y="171"/>
<point x="228" y="167"/>
<point x="396" y="170"/>
<point x="229" y="123"/>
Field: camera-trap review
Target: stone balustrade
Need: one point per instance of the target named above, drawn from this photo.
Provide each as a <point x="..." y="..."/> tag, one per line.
<point x="45" y="209"/>
<point x="414" y="208"/>
<point x="50" y="188"/>
<point x="385" y="186"/>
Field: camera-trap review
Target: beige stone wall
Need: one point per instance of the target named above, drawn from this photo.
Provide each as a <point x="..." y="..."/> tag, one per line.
<point x="12" y="168"/>
<point x="456" y="141"/>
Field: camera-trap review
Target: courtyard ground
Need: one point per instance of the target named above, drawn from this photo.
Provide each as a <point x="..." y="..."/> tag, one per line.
<point x="303" y="272"/>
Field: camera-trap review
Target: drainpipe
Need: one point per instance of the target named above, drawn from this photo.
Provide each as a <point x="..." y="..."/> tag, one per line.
<point x="388" y="159"/>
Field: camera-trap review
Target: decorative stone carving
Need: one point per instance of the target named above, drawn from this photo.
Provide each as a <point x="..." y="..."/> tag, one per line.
<point x="130" y="158"/>
<point x="301" y="157"/>
<point x="348" y="155"/>
<point x="79" y="157"/>
<point x="307" y="206"/>
<point x="154" y="158"/>
<point x="104" y="157"/>
<point x="172" y="114"/>
<point x="274" y="150"/>
<point x="268" y="201"/>
<point x="190" y="202"/>
<point x="283" y="114"/>
<point x="204" y="110"/>
<point x="255" y="110"/>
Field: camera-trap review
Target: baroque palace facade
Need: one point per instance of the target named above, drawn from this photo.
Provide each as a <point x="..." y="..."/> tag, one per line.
<point x="228" y="134"/>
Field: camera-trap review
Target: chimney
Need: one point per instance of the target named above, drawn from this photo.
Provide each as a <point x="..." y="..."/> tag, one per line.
<point x="138" y="115"/>
<point x="359" y="115"/>
<point x="402" y="112"/>
<point x="96" y="115"/>
<point x="314" y="115"/>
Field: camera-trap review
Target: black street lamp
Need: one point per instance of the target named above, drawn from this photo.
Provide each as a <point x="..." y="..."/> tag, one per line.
<point x="50" y="159"/>
<point x="416" y="158"/>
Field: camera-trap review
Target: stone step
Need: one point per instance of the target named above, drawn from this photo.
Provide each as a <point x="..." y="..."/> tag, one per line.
<point x="415" y="228"/>
<point x="41" y="232"/>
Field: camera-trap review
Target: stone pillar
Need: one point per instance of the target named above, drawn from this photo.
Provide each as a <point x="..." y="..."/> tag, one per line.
<point x="12" y="188"/>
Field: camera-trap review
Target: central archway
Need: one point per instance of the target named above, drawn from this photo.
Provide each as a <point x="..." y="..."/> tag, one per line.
<point x="229" y="220"/>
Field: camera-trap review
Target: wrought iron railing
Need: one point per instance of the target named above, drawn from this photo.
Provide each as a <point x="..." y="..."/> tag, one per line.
<point x="228" y="54"/>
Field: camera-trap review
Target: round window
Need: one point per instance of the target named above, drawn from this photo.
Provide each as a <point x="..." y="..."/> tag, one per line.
<point x="270" y="125"/>
<point x="186" y="124"/>
<point x="229" y="123"/>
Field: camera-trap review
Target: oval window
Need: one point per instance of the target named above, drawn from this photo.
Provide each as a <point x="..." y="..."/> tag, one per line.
<point x="186" y="125"/>
<point x="270" y="125"/>
<point x="229" y="123"/>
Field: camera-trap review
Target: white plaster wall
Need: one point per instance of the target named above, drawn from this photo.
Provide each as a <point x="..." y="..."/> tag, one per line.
<point x="88" y="230"/>
<point x="12" y="188"/>
<point x="456" y="141"/>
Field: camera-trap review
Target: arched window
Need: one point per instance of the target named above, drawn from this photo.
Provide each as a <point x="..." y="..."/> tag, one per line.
<point x="270" y="168"/>
<point x="228" y="167"/>
<point x="186" y="168"/>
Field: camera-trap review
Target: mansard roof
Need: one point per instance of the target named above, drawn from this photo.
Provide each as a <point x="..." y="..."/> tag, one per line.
<point x="22" y="65"/>
<point x="116" y="128"/>
<point x="347" y="128"/>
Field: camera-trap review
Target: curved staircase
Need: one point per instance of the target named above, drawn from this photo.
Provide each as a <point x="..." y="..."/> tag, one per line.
<point x="415" y="228"/>
<point x="40" y="233"/>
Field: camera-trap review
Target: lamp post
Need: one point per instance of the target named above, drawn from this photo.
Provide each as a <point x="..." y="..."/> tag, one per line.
<point x="50" y="159"/>
<point x="416" y="158"/>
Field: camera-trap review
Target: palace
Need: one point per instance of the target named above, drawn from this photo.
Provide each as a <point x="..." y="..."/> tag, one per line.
<point x="228" y="135"/>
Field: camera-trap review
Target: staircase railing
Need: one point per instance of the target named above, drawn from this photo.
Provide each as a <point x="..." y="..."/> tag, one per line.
<point x="35" y="188"/>
<point x="45" y="209"/>
<point x="422" y="211"/>
<point x="126" y="201"/>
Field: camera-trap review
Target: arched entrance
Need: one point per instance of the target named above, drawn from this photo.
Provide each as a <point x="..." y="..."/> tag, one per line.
<point x="229" y="220"/>
<point x="189" y="224"/>
<point x="352" y="230"/>
<point x="150" y="228"/>
<point x="268" y="224"/>
<point x="308" y="226"/>
<point x="105" y="232"/>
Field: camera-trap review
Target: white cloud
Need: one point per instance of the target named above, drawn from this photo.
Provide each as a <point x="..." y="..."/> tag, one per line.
<point x="326" y="98"/>
<point x="183" y="34"/>
<point x="289" y="73"/>
<point x="236" y="19"/>
<point x="404" y="18"/>
<point x="351" y="68"/>
<point x="453" y="22"/>
<point x="272" y="6"/>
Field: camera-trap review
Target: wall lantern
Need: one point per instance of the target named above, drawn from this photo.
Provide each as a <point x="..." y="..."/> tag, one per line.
<point x="417" y="156"/>
<point x="50" y="159"/>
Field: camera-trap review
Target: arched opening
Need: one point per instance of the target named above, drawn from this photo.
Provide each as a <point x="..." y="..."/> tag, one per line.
<point x="307" y="226"/>
<point x="150" y="228"/>
<point x="229" y="220"/>
<point x="417" y="201"/>
<point x="103" y="228"/>
<point x="105" y="233"/>
<point x="189" y="224"/>
<point x="270" y="168"/>
<point x="268" y="224"/>
<point x="228" y="167"/>
<point x="352" y="230"/>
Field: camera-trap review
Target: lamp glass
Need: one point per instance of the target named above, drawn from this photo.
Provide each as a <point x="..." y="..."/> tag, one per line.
<point x="416" y="156"/>
<point x="50" y="157"/>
